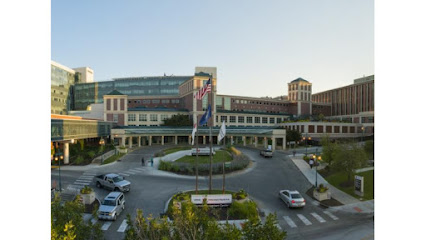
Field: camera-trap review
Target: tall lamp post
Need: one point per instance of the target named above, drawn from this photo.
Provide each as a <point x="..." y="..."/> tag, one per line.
<point x="102" y="143"/>
<point x="362" y="137"/>
<point x="58" y="157"/>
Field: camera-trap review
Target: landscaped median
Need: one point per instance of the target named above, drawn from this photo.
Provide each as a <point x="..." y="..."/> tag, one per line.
<point x="113" y="158"/>
<point x="338" y="180"/>
<point x="234" y="160"/>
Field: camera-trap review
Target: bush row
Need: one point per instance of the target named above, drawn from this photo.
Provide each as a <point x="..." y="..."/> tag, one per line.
<point x="239" y="162"/>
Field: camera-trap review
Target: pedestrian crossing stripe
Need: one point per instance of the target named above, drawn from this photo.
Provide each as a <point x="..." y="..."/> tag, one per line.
<point x="123" y="226"/>
<point x="141" y="169"/>
<point x="124" y="174"/>
<point x="131" y="173"/>
<point x="81" y="183"/>
<point x="331" y="215"/>
<point x="73" y="187"/>
<point x="106" y="226"/>
<point x="83" y="180"/>
<point x="94" y="220"/>
<point x="304" y="219"/>
<point x="85" y="177"/>
<point x="318" y="217"/>
<point x="133" y="170"/>
<point x="289" y="221"/>
<point x="89" y="174"/>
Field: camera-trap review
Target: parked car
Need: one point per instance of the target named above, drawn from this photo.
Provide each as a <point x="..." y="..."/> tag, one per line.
<point x="113" y="182"/>
<point x="266" y="153"/>
<point x="111" y="206"/>
<point x="292" y="198"/>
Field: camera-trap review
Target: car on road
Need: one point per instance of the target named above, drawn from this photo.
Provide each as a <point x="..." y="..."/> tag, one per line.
<point x="292" y="198"/>
<point x="113" y="182"/>
<point x="111" y="206"/>
<point x="266" y="153"/>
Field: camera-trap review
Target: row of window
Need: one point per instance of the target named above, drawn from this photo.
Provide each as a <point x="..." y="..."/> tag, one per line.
<point x="302" y="87"/>
<point x="243" y="119"/>
<point x="155" y="101"/>
<point x="257" y="102"/>
<point x="144" y="117"/>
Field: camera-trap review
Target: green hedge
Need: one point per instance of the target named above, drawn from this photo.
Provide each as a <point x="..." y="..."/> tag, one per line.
<point x="243" y="210"/>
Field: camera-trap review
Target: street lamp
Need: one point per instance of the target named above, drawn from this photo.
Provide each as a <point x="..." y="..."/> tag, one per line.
<point x="362" y="137"/>
<point x="102" y="143"/>
<point x="59" y="157"/>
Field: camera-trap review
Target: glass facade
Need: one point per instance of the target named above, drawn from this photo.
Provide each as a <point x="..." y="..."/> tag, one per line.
<point x="62" y="83"/>
<point x="88" y="93"/>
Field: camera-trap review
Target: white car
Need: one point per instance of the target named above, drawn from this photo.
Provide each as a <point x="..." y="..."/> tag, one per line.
<point x="292" y="198"/>
<point x="266" y="153"/>
<point x="112" y="206"/>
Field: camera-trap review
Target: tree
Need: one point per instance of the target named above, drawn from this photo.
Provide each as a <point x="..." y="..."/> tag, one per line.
<point x="347" y="158"/>
<point x="67" y="221"/>
<point x="192" y="222"/>
<point x="369" y="149"/>
<point x="178" y="120"/>
<point x="293" y="135"/>
<point x="328" y="149"/>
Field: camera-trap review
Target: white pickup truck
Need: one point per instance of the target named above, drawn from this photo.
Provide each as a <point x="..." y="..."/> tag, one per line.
<point x="113" y="182"/>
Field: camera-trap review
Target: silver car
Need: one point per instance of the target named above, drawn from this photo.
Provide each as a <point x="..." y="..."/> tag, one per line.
<point x="266" y="153"/>
<point x="112" y="206"/>
<point x="292" y="198"/>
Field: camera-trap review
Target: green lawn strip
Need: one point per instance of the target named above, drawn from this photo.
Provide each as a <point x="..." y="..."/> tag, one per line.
<point x="175" y="149"/>
<point x="113" y="158"/>
<point x="220" y="156"/>
<point x="337" y="178"/>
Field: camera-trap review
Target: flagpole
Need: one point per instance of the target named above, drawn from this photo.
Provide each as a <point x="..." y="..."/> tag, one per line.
<point x="210" y="133"/>
<point x="196" y="160"/>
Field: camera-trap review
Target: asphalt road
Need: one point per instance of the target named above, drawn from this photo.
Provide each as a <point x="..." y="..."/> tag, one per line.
<point x="263" y="181"/>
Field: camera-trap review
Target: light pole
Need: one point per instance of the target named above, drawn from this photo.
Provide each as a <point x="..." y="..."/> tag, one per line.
<point x="316" y="171"/>
<point x="59" y="157"/>
<point x="306" y="151"/>
<point x="362" y="137"/>
<point x="102" y="143"/>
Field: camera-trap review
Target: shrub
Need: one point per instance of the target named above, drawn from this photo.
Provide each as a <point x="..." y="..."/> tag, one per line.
<point x="86" y="190"/>
<point x="321" y="188"/>
<point x="91" y="154"/>
<point x="306" y="158"/>
<point x="79" y="160"/>
<point x="240" y="195"/>
<point x="122" y="147"/>
<point x="243" y="210"/>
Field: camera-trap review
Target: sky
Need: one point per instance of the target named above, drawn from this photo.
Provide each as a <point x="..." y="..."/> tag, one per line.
<point x="257" y="46"/>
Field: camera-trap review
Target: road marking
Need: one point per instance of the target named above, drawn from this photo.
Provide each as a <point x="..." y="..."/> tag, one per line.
<point x="131" y="173"/>
<point x="123" y="226"/>
<point x="318" y="217"/>
<point x="331" y="215"/>
<point x="134" y="171"/>
<point x="290" y="222"/>
<point x="81" y="183"/>
<point x="83" y="180"/>
<point x="140" y="169"/>
<point x="304" y="220"/>
<point x="124" y="174"/>
<point x="89" y="174"/>
<point x="106" y="226"/>
<point x="86" y="177"/>
<point x="94" y="220"/>
<point x="86" y="217"/>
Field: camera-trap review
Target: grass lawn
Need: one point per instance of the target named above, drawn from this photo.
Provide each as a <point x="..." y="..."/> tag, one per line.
<point x="220" y="156"/>
<point x="175" y="149"/>
<point x="337" y="178"/>
<point x="113" y="158"/>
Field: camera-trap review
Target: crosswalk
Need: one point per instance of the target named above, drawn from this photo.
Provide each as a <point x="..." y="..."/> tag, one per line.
<point x="83" y="180"/>
<point x="105" y="225"/>
<point x="302" y="220"/>
<point x="133" y="171"/>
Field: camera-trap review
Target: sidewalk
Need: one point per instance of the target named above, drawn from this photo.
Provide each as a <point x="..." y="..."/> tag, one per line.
<point x="309" y="173"/>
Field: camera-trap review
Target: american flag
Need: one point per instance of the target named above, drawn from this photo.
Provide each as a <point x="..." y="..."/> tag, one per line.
<point x="205" y="89"/>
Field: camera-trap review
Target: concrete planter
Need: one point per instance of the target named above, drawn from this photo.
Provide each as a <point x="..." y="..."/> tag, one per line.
<point x="88" y="198"/>
<point x="322" y="196"/>
<point x="122" y="150"/>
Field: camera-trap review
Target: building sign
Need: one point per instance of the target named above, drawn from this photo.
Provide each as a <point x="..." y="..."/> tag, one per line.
<point x="359" y="185"/>
<point x="216" y="199"/>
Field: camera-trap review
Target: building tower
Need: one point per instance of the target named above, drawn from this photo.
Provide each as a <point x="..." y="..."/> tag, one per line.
<point x="300" y="91"/>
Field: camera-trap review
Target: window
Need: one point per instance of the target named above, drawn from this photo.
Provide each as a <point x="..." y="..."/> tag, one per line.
<point x="223" y="118"/>
<point x="256" y="119"/>
<point x="142" y="118"/>
<point x="279" y="120"/>
<point x="271" y="120"/>
<point x="264" y="120"/>
<point x="249" y="119"/>
<point x="232" y="119"/>
<point x="156" y="101"/>
<point x="115" y="117"/>
<point x="131" y="117"/>
<point x="165" y="101"/>
<point x="163" y="117"/>
<point x="153" y="117"/>
<point x="146" y="101"/>
<point x="240" y="119"/>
